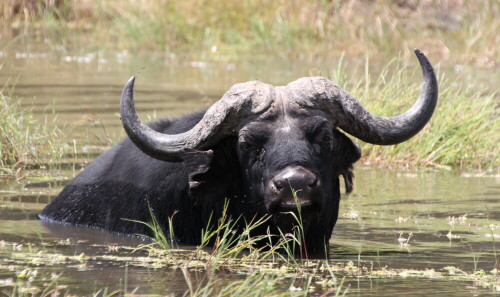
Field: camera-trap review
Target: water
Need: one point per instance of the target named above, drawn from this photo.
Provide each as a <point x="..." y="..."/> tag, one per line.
<point x="450" y="218"/>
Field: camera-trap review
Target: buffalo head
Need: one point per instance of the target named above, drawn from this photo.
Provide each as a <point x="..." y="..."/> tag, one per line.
<point x="288" y="146"/>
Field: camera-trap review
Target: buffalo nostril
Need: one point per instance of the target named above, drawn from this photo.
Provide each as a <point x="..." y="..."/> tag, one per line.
<point x="313" y="182"/>
<point x="279" y="184"/>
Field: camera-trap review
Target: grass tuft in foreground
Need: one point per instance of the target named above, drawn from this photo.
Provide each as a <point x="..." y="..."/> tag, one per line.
<point x="25" y="140"/>
<point x="231" y="244"/>
<point x="463" y="132"/>
<point x="267" y="264"/>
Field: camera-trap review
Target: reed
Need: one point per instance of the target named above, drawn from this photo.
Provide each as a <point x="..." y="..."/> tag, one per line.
<point x="26" y="141"/>
<point x="457" y="31"/>
<point x="463" y="132"/>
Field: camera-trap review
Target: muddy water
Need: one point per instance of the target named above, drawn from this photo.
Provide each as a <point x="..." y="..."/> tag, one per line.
<point x="401" y="220"/>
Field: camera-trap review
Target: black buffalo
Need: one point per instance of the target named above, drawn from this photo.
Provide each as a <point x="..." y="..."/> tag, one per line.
<point x="252" y="147"/>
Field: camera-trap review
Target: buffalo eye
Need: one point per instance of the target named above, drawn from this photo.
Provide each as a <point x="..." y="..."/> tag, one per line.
<point x="255" y="151"/>
<point x="327" y="138"/>
<point x="245" y="145"/>
<point x="319" y="132"/>
<point x="322" y="138"/>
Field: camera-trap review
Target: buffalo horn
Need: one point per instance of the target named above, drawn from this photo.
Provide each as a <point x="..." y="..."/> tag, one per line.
<point x="348" y="114"/>
<point x="385" y="131"/>
<point x="219" y="121"/>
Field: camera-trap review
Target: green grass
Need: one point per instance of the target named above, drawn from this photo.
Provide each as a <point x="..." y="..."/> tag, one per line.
<point x="463" y="132"/>
<point x="256" y="283"/>
<point x="457" y="31"/>
<point x="223" y="243"/>
<point x="25" y="140"/>
<point x="269" y="266"/>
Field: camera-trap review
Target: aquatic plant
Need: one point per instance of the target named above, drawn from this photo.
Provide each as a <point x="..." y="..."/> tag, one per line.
<point x="229" y="243"/>
<point x="29" y="282"/>
<point x="330" y="277"/>
<point x="26" y="140"/>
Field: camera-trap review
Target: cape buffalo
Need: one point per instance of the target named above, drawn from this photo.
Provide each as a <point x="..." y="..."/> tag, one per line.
<point x="252" y="147"/>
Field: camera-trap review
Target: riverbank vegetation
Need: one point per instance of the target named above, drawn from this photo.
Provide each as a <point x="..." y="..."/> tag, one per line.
<point x="453" y="31"/>
<point x="25" y="141"/>
<point x="462" y="134"/>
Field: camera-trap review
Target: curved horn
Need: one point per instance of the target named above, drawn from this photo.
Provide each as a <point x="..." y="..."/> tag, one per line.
<point x="349" y="115"/>
<point x="219" y="121"/>
<point x="385" y="131"/>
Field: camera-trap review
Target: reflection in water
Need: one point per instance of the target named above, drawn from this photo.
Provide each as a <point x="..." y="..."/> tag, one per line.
<point x="450" y="219"/>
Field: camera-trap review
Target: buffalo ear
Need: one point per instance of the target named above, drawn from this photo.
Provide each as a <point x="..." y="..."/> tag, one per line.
<point x="346" y="153"/>
<point x="209" y="173"/>
<point x="197" y="163"/>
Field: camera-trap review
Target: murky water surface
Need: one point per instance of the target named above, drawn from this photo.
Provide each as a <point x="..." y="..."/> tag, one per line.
<point x="401" y="220"/>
